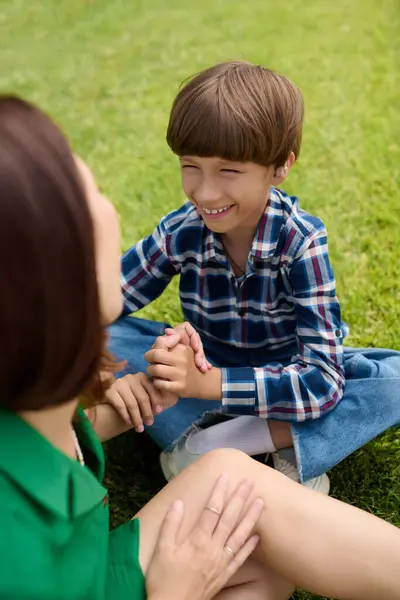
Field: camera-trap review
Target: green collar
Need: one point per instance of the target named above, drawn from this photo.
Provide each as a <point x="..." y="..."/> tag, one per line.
<point x="48" y="476"/>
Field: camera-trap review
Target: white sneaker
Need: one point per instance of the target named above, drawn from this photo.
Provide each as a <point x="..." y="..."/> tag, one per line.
<point x="176" y="461"/>
<point x="318" y="484"/>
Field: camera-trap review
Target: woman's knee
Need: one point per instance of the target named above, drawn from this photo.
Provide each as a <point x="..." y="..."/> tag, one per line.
<point x="236" y="464"/>
<point x="225" y="458"/>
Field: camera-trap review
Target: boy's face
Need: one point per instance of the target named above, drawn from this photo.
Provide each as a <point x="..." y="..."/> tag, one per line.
<point x="228" y="195"/>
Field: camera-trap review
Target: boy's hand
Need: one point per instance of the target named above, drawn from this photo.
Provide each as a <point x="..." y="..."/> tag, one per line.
<point x="137" y="400"/>
<point x="190" y="337"/>
<point x="175" y="371"/>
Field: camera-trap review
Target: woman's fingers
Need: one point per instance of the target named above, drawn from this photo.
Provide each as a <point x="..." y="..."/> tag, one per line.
<point x="233" y="509"/>
<point x="126" y="400"/>
<point x="154" y="395"/>
<point x="241" y="556"/>
<point x="170" y="526"/>
<point x="214" y="507"/>
<point x="114" y="398"/>
<point x="246" y="525"/>
<point x="143" y="404"/>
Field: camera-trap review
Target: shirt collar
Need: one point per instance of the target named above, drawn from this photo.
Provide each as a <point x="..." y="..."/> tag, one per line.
<point x="49" y="477"/>
<point x="269" y="227"/>
<point x="267" y="234"/>
<point x="214" y="249"/>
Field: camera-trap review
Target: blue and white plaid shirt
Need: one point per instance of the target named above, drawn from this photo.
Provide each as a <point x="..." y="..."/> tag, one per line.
<point x="287" y="295"/>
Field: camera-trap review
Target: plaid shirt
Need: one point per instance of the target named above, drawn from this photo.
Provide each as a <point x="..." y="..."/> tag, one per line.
<point x="287" y="295"/>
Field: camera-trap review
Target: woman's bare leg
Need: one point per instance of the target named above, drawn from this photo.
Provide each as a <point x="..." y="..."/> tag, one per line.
<point x="256" y="581"/>
<point x="319" y="543"/>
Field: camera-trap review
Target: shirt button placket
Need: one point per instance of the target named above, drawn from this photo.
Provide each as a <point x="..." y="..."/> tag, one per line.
<point x="238" y="325"/>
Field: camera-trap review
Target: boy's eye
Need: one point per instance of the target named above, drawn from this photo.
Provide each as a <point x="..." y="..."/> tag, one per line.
<point x="230" y="171"/>
<point x="189" y="167"/>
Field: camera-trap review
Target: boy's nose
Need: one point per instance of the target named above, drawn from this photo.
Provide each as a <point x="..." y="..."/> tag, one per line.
<point x="207" y="195"/>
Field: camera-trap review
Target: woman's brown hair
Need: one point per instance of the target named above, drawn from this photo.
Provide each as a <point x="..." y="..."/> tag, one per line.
<point x="240" y="112"/>
<point x="51" y="339"/>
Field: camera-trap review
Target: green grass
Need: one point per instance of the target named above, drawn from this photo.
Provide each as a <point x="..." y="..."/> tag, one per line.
<point x="108" y="71"/>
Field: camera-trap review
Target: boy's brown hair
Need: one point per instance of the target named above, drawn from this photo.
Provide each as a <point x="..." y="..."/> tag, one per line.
<point x="240" y="112"/>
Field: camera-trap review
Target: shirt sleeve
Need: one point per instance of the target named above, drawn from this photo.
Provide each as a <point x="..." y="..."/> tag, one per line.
<point x="125" y="578"/>
<point x="147" y="268"/>
<point x="312" y="384"/>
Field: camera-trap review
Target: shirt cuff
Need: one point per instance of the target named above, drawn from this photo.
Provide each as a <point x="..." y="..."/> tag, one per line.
<point x="239" y="391"/>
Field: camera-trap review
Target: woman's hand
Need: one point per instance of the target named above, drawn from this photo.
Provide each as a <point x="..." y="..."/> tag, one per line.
<point x="198" y="567"/>
<point x="137" y="400"/>
<point x="135" y="397"/>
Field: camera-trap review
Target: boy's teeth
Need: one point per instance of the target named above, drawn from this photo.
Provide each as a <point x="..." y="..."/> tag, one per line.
<point x="215" y="211"/>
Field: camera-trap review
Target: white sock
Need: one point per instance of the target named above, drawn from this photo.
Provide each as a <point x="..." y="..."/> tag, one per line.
<point x="246" y="433"/>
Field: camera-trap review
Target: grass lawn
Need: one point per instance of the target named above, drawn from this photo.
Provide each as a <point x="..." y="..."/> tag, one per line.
<point x="108" y="71"/>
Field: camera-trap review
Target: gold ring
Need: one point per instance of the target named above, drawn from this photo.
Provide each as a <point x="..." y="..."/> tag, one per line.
<point x="214" y="510"/>
<point x="229" y="550"/>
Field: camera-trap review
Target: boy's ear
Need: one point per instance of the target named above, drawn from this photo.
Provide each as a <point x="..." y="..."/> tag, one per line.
<point x="281" y="173"/>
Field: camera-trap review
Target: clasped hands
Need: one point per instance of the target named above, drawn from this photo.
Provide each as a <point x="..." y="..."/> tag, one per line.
<point x="177" y="362"/>
<point x="177" y="368"/>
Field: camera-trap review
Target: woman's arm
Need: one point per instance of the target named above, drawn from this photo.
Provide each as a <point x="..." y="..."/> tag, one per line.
<point x="106" y="422"/>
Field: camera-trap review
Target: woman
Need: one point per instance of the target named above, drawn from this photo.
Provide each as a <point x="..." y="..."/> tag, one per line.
<point x="59" y="243"/>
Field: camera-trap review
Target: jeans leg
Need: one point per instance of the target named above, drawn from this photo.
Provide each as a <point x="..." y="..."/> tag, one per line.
<point x="370" y="405"/>
<point x="130" y="339"/>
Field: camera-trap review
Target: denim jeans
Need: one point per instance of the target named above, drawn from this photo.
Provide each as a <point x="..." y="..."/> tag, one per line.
<point x="370" y="404"/>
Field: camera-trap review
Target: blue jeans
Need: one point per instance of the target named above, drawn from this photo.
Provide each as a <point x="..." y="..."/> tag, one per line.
<point x="370" y="404"/>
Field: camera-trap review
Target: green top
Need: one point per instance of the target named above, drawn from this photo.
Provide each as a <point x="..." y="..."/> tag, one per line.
<point x="54" y="538"/>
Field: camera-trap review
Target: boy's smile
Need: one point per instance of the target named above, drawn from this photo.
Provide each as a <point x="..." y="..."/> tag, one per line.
<point x="216" y="213"/>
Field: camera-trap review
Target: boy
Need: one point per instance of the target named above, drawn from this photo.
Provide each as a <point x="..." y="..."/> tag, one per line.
<point x="256" y="284"/>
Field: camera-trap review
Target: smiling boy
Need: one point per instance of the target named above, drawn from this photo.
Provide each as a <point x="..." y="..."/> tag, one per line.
<point x="256" y="282"/>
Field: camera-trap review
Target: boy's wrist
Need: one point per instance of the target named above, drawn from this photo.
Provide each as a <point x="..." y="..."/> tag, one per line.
<point x="211" y="385"/>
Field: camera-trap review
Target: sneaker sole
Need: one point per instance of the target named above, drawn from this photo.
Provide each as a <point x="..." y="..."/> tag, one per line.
<point x="319" y="484"/>
<point x="165" y="467"/>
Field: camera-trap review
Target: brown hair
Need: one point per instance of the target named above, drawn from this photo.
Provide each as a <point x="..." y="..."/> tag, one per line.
<point x="51" y="339"/>
<point x="240" y="112"/>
